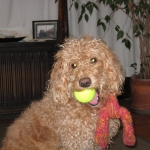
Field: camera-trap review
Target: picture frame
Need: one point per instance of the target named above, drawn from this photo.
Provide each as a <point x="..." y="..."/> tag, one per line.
<point x="45" y="29"/>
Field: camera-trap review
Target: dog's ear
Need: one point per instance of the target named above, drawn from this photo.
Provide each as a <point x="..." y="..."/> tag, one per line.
<point x="116" y="76"/>
<point x="113" y="72"/>
<point x="59" y="79"/>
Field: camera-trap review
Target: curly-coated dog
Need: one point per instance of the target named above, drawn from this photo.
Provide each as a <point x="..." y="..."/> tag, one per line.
<point x="59" y="121"/>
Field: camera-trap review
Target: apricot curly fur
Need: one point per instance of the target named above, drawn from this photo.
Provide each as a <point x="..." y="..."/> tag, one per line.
<point x="58" y="121"/>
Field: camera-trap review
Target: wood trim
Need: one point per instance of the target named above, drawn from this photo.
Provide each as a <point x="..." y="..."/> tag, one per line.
<point x="63" y="20"/>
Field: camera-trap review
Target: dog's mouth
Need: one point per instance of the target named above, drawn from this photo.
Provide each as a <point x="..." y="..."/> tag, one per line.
<point x="95" y="100"/>
<point x="90" y="96"/>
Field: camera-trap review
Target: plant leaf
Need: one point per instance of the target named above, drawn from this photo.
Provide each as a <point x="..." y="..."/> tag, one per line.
<point x="109" y="2"/>
<point x="107" y="18"/>
<point x="98" y="22"/>
<point x="135" y="27"/>
<point x="133" y="65"/>
<point x="138" y="33"/>
<point x="119" y="2"/>
<point x="82" y="9"/>
<point x="127" y="44"/>
<point x="104" y="1"/>
<point x="90" y="9"/>
<point x="141" y="27"/>
<point x="120" y="34"/>
<point x="86" y="17"/>
<point x="124" y="40"/>
<point x="126" y="2"/>
<point x="80" y="18"/>
<point x="117" y="28"/>
<point x="136" y="11"/>
<point x="76" y="5"/>
<point x="94" y="5"/>
<point x="104" y="26"/>
<point x="113" y="7"/>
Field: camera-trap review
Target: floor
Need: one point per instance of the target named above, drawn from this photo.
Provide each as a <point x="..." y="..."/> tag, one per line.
<point x="141" y="122"/>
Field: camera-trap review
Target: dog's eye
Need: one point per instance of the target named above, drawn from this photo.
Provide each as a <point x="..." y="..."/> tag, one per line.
<point x="93" y="61"/>
<point x="74" y="65"/>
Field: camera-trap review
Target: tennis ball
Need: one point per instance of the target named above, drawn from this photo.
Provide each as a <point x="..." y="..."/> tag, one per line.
<point x="85" y="96"/>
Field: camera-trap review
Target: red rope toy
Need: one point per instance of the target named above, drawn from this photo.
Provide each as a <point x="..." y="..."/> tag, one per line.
<point x="112" y="110"/>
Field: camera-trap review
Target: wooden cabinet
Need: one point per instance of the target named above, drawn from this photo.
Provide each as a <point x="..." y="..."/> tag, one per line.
<point x="24" y="70"/>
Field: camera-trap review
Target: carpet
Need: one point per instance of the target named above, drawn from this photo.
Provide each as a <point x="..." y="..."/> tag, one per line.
<point x="141" y="144"/>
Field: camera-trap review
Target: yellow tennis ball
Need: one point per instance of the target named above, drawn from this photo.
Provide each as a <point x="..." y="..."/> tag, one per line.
<point x="85" y="96"/>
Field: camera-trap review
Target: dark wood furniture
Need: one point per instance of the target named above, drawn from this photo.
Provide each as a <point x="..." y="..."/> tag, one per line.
<point x="63" y="20"/>
<point x="24" y="70"/>
<point x="25" y="66"/>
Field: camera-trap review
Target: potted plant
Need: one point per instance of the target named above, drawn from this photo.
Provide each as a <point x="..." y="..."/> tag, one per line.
<point x="139" y="13"/>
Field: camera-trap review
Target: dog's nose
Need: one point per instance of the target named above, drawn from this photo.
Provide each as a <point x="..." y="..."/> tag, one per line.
<point x="85" y="82"/>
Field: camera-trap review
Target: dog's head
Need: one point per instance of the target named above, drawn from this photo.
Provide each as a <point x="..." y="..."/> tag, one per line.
<point x="85" y="63"/>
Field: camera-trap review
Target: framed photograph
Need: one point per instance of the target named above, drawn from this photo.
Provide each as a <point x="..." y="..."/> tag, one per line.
<point x="45" y="29"/>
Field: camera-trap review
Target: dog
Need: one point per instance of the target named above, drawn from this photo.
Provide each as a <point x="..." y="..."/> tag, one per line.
<point x="58" y="121"/>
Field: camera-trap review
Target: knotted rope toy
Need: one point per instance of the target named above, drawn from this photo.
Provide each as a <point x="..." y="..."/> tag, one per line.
<point x="112" y="110"/>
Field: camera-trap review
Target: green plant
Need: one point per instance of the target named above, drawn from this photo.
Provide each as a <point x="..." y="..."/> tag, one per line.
<point x="139" y="13"/>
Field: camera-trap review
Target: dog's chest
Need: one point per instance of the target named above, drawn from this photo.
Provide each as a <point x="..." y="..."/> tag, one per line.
<point x="77" y="127"/>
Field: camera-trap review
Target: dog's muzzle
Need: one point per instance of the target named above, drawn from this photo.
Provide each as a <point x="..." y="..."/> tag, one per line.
<point x="85" y="83"/>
